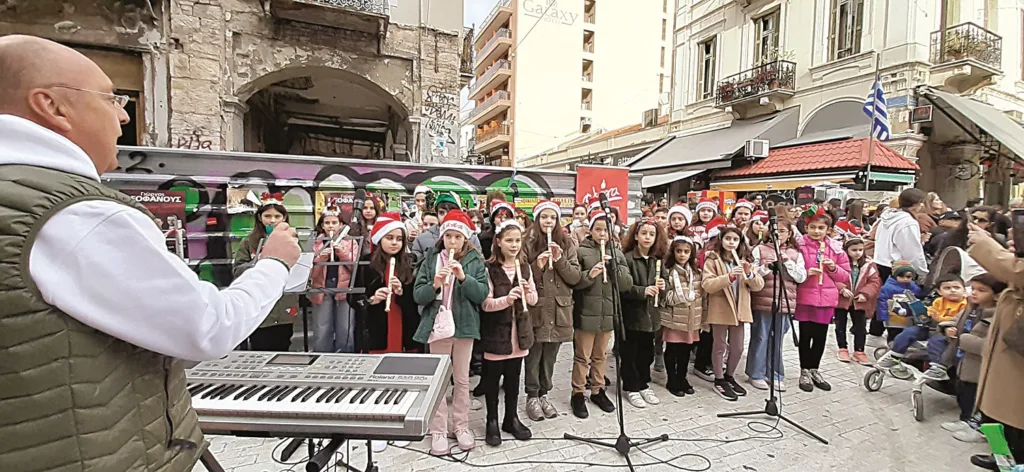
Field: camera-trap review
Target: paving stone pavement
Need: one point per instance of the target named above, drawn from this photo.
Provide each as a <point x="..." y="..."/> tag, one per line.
<point x="867" y="431"/>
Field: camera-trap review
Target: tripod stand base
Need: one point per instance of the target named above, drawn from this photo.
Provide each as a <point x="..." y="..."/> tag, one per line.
<point x="623" y="444"/>
<point x="771" y="408"/>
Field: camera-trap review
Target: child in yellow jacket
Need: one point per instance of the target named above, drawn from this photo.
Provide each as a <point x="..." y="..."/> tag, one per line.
<point x="953" y="300"/>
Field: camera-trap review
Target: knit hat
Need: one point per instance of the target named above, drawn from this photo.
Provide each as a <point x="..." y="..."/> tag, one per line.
<point x="760" y="215"/>
<point x="682" y="210"/>
<point x="385" y="224"/>
<point x="546" y="205"/>
<point x="715" y="226"/>
<point x="505" y="224"/>
<point x="458" y="220"/>
<point x="902" y="267"/>
<point x="595" y="216"/>
<point x="498" y="206"/>
<point x="421" y="189"/>
<point x="744" y="203"/>
<point x="707" y="203"/>
<point x="686" y="239"/>
<point x="446" y="198"/>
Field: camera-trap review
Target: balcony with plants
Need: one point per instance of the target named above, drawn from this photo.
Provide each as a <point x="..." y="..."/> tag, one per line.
<point x="367" y="16"/>
<point x="767" y="84"/>
<point x="965" y="57"/>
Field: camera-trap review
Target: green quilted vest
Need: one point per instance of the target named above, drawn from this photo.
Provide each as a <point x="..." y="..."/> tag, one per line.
<point x="73" y="398"/>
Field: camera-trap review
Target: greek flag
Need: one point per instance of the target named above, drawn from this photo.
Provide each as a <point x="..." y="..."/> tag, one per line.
<point x="874" y="107"/>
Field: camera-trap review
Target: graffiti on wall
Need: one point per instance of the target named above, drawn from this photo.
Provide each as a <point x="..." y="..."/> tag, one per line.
<point x="194" y="141"/>
<point x="211" y="182"/>
<point x="441" y="124"/>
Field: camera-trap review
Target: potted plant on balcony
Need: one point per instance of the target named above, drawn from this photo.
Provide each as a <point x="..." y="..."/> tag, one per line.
<point x="956" y="45"/>
<point x="726" y="90"/>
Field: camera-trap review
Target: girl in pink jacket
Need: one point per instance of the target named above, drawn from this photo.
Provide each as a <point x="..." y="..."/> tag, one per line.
<point x="333" y="322"/>
<point x="818" y="296"/>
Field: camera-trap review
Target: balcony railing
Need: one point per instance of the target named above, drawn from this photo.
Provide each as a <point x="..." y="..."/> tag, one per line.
<point x="768" y="77"/>
<point x="379" y="7"/>
<point x="499" y="95"/>
<point x="967" y="41"/>
<point x="589" y="19"/>
<point x="587" y="106"/>
<point x="502" y="33"/>
<point x="588" y="47"/>
<point x="501" y="65"/>
<point x="588" y="78"/>
<point x="501" y="130"/>
<point x="494" y="11"/>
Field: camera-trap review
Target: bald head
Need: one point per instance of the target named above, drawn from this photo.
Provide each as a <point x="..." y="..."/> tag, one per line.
<point x="37" y="62"/>
<point x="60" y="89"/>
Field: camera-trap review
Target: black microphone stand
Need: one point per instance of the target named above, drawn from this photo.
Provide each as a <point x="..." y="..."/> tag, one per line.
<point x="771" y="405"/>
<point x="623" y="443"/>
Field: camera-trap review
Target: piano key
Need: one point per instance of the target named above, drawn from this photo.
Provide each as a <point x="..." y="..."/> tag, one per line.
<point x="215" y="391"/>
<point x="337" y="393"/>
<point x="367" y="395"/>
<point x="312" y="391"/>
<point x="283" y="393"/>
<point x="382" y="396"/>
<point x="243" y="392"/>
<point x="358" y="395"/>
<point x="391" y="396"/>
<point x="326" y="393"/>
<point x="271" y="391"/>
<point x="192" y="389"/>
<point x="228" y="391"/>
<point x="259" y="389"/>
<point x="400" y="395"/>
<point x="301" y="392"/>
<point x="202" y="388"/>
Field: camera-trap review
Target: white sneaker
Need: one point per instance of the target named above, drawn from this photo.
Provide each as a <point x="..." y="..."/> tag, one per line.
<point x="649" y="396"/>
<point x="475" y="404"/>
<point x="636" y="400"/>
<point x="936" y="372"/>
<point x="875" y="341"/>
<point x="780" y="386"/>
<point x="759" y="384"/>
<point x="378" y="446"/>
<point x="401" y="443"/>
<point x="954" y="426"/>
<point x="969" y="435"/>
<point x="889" y="360"/>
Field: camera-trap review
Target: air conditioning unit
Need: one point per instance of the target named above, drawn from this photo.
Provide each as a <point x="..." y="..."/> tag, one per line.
<point x="755" y="148"/>
<point x="586" y="121"/>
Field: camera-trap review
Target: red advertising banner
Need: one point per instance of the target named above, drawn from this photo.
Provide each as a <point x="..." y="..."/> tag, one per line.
<point x="167" y="206"/>
<point x="592" y="181"/>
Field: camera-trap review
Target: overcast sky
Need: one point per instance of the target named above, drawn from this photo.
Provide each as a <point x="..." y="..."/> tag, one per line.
<point x="476" y="11"/>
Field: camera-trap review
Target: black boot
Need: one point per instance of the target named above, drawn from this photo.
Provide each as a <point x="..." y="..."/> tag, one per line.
<point x="579" y="406"/>
<point x="493" y="435"/>
<point x="601" y="400"/>
<point x="516" y="428"/>
<point x="984" y="461"/>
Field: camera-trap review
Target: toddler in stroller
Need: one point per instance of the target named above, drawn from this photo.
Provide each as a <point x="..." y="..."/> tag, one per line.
<point x="927" y="324"/>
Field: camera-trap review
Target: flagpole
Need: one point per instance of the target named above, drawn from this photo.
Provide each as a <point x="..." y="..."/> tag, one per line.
<point x="871" y="124"/>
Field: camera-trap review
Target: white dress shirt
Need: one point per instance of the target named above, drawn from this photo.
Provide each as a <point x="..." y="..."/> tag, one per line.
<point x="107" y="266"/>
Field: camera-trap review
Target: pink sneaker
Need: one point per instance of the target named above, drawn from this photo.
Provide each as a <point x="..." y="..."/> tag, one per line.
<point x="465" y="439"/>
<point x="844" y="355"/>
<point x="439" y="444"/>
<point x="861" y="358"/>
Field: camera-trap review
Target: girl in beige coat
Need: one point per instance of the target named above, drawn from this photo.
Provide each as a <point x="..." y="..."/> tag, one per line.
<point x="729" y="276"/>
<point x="681" y="315"/>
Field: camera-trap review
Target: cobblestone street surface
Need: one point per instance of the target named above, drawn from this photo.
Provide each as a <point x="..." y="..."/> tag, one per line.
<point x="867" y="432"/>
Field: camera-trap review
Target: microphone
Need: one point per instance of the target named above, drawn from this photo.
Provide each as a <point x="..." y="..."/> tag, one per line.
<point x="359" y="200"/>
<point x="603" y="197"/>
<point x="773" y="219"/>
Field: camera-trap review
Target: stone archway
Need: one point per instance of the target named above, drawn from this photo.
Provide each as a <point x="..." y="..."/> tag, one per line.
<point x="320" y="110"/>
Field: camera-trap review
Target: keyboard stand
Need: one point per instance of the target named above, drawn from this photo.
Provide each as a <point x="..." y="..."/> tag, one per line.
<point x="210" y="462"/>
<point x="322" y="458"/>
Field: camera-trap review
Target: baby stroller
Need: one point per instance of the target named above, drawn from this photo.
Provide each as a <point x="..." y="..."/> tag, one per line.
<point x="907" y="310"/>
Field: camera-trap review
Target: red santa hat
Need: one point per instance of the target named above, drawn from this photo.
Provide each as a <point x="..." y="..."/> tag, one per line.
<point x="385" y="224"/>
<point x="707" y="203"/>
<point x="268" y="198"/>
<point x="498" y="205"/>
<point x="760" y="215"/>
<point x="457" y="220"/>
<point x="847" y="229"/>
<point x="744" y="203"/>
<point x="682" y="210"/>
<point x="595" y="216"/>
<point x="546" y="205"/>
<point x="511" y="222"/>
<point x="715" y="226"/>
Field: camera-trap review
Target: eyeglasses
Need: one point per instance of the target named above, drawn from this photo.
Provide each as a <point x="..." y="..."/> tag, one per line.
<point x="119" y="100"/>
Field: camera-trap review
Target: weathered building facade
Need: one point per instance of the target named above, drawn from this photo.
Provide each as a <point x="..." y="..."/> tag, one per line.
<point x="374" y="79"/>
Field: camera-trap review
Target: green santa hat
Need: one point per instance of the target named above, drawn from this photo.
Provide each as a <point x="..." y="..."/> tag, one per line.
<point x="447" y="198"/>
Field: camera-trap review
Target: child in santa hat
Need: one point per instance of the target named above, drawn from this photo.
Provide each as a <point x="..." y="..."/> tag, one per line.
<point x="593" y="318"/>
<point x="706" y="210"/>
<point x="333" y="323"/>
<point x="556" y="269"/>
<point x="506" y="329"/>
<point x="451" y="283"/>
<point x="742" y="212"/>
<point x="679" y="217"/>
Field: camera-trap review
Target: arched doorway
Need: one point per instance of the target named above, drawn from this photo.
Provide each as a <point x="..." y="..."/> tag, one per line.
<point x="323" y="111"/>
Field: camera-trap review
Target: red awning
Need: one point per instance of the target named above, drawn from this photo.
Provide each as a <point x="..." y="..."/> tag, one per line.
<point x="847" y="154"/>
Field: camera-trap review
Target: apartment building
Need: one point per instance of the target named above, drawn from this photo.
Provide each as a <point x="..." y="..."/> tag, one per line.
<point x="797" y="72"/>
<point x="548" y="71"/>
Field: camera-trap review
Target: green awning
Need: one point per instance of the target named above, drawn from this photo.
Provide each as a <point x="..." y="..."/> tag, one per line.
<point x="891" y="177"/>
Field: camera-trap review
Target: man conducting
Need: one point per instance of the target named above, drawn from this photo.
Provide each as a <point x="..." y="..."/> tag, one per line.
<point x="95" y="313"/>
